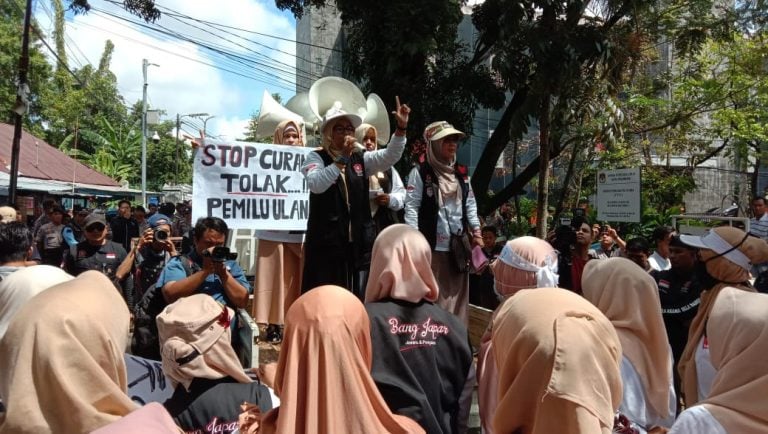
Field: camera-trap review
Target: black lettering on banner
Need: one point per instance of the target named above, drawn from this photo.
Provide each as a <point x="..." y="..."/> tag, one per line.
<point x="263" y="160"/>
<point x="236" y="156"/>
<point x="250" y="152"/>
<point x="224" y="149"/>
<point x="213" y="203"/>
<point x="208" y="158"/>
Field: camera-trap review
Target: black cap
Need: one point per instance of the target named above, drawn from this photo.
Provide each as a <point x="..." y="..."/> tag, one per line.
<point x="93" y="218"/>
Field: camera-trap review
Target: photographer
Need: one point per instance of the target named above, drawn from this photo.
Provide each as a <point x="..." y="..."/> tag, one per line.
<point x="209" y="269"/>
<point x="572" y="242"/>
<point x="150" y="255"/>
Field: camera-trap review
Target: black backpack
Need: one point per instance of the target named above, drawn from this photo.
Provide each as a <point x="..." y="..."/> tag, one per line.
<point x="145" y="341"/>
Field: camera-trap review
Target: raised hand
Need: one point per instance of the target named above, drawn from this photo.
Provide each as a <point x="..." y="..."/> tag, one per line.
<point x="402" y="111"/>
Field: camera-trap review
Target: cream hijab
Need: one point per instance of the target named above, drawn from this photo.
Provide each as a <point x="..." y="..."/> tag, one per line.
<point x="373" y="180"/>
<point x="444" y="171"/>
<point x="20" y="286"/>
<point x="198" y="323"/>
<point x="324" y="372"/>
<point x="629" y="297"/>
<point x="277" y="138"/>
<point x="61" y="360"/>
<point x="558" y="359"/>
<point x="726" y="271"/>
<point x="508" y="279"/>
<point x="738" y="338"/>
<point x="401" y="266"/>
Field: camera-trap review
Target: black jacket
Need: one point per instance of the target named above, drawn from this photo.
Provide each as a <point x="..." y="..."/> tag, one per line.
<point x="422" y="361"/>
<point x="212" y="406"/>
<point x="330" y="219"/>
<point x="123" y="230"/>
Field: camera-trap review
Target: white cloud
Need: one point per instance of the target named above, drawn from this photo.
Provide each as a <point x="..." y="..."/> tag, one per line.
<point x="180" y="84"/>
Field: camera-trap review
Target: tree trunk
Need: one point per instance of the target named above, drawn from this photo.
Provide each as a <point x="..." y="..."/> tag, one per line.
<point x="543" y="194"/>
<point x="514" y="175"/>
<point x="755" y="172"/>
<point x="566" y="183"/>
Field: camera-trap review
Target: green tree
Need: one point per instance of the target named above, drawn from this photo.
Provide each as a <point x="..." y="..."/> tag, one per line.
<point x="117" y="151"/>
<point x="410" y="49"/>
<point x="40" y="71"/>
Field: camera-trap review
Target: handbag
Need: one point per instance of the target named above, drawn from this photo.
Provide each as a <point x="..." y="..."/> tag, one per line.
<point x="461" y="252"/>
<point x="459" y="247"/>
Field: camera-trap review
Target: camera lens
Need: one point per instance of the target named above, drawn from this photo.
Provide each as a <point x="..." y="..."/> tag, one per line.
<point x="160" y="235"/>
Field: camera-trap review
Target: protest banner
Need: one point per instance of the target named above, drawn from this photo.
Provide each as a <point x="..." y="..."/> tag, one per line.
<point x="251" y="185"/>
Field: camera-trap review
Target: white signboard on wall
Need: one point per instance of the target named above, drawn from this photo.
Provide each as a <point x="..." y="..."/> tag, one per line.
<point x="618" y="195"/>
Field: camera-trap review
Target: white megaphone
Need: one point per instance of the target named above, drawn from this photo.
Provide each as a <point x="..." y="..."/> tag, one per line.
<point x="376" y="115"/>
<point x="337" y="93"/>
<point x="271" y="114"/>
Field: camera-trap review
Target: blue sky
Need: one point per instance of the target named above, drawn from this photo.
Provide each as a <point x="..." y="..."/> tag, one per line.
<point x="182" y="83"/>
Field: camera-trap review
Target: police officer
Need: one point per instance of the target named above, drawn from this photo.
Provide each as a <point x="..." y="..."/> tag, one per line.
<point x="98" y="253"/>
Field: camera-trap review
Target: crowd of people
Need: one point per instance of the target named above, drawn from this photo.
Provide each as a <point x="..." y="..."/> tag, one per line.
<point x="589" y="333"/>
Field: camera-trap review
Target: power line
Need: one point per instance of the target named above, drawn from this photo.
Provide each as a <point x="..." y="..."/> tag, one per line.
<point x="234" y="58"/>
<point x="250" y="77"/>
<point x="172" y="12"/>
<point x="175" y="14"/>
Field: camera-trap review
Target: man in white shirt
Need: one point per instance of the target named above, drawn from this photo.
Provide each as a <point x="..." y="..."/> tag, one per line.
<point x="758" y="225"/>
<point x="659" y="260"/>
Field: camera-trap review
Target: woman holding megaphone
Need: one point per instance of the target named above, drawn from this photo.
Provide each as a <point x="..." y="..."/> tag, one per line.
<point x="340" y="229"/>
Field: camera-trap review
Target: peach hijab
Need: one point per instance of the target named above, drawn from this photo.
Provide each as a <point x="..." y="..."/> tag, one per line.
<point x="629" y="297"/>
<point x="61" y="360"/>
<point x="730" y="275"/>
<point x="521" y="257"/>
<point x="401" y="266"/>
<point x="558" y="359"/>
<point x="738" y="336"/>
<point x="323" y="375"/>
<point x="287" y="124"/>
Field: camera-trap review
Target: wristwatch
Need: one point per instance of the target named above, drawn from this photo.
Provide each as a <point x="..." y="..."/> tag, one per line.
<point x="342" y="159"/>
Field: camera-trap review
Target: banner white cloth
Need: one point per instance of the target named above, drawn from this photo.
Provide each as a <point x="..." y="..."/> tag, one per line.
<point x="251" y="185"/>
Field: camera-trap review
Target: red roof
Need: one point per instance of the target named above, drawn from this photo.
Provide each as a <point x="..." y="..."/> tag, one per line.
<point x="40" y="160"/>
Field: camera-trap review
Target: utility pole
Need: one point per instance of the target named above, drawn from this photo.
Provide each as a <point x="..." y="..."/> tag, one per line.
<point x="144" y="65"/>
<point x="178" y="132"/>
<point x="21" y="105"/>
<point x="176" y="147"/>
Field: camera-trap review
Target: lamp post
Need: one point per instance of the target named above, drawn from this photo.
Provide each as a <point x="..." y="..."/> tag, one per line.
<point x="205" y="121"/>
<point x="144" y="65"/>
<point x="178" y="132"/>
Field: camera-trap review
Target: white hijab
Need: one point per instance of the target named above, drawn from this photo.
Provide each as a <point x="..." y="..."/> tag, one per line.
<point x="20" y="286"/>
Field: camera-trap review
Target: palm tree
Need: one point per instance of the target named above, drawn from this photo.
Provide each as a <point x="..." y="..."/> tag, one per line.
<point x="116" y="153"/>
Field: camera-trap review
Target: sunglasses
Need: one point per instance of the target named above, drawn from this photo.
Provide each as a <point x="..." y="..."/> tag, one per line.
<point x="341" y="129"/>
<point x="95" y="228"/>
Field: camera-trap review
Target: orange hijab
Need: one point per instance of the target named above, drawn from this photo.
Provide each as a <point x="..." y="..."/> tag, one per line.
<point x="628" y="296"/>
<point x="400" y="266"/>
<point x="61" y="360"/>
<point x="738" y="338"/>
<point x="323" y="375"/>
<point x="558" y="359"/>
<point x="726" y="271"/>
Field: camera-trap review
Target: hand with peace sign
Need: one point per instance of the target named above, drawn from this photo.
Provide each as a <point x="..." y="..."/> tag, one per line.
<point x="401" y="113"/>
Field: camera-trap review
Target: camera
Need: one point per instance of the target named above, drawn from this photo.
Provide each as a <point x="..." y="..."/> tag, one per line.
<point x="160" y="236"/>
<point x="220" y="254"/>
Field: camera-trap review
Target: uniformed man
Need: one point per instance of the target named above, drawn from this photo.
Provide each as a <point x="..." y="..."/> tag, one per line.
<point x="98" y="253"/>
<point x="680" y="296"/>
